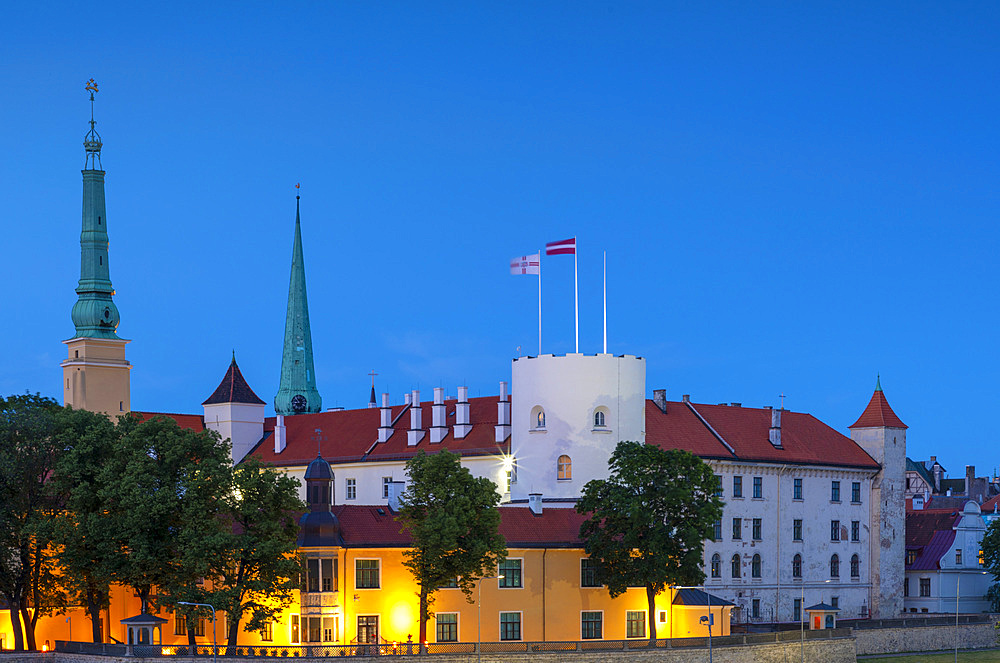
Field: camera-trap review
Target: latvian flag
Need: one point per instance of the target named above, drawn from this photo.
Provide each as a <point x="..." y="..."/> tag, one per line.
<point x="565" y="247"/>
<point x="525" y="264"/>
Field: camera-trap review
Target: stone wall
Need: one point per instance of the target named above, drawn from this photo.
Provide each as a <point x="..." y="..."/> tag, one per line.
<point x="910" y="636"/>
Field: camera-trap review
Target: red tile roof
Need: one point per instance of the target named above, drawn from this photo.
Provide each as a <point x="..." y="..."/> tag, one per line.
<point x="351" y="435"/>
<point x="991" y="504"/>
<point x="194" y="422"/>
<point x="878" y="414"/>
<point x="805" y="440"/>
<point x="233" y="389"/>
<point x="376" y="526"/>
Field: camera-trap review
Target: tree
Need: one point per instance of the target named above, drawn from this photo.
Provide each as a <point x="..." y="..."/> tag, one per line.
<point x="647" y="523"/>
<point x="455" y="525"/>
<point x="990" y="548"/>
<point x="253" y="565"/>
<point x="29" y="581"/>
<point x="83" y="528"/>
<point x="164" y="487"/>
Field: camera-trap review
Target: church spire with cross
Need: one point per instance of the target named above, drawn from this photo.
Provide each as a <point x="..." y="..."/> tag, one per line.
<point x="96" y="374"/>
<point x="297" y="393"/>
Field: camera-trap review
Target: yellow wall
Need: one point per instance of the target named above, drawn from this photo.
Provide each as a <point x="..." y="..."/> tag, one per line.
<point x="96" y="375"/>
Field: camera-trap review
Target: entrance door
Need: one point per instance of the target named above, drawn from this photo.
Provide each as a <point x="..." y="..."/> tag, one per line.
<point x="368" y="629"/>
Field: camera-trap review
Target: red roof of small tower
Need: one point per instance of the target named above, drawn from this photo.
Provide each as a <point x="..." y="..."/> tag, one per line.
<point x="233" y="389"/>
<point x="878" y="414"/>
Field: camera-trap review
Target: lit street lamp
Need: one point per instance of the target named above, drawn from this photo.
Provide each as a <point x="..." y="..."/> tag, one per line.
<point x="479" y="617"/>
<point x="215" y="647"/>
<point x="704" y="620"/>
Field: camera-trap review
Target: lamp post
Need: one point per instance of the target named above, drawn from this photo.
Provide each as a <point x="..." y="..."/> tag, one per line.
<point x="479" y="614"/>
<point x="958" y="583"/>
<point x="704" y="620"/>
<point x="215" y="647"/>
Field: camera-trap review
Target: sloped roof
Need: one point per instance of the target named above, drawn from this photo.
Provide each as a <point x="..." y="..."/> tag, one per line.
<point x="376" y="526"/>
<point x="195" y="422"/>
<point x="878" y="414"/>
<point x="921" y="469"/>
<point x="989" y="505"/>
<point x="233" y="389"/>
<point x="930" y="533"/>
<point x="352" y="435"/>
<point x="699" y="598"/>
<point x="805" y="440"/>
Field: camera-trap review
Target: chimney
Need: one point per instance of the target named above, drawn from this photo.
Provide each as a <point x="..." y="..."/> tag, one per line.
<point x="937" y="476"/>
<point x="970" y="478"/>
<point x="406" y="399"/>
<point x="535" y="503"/>
<point x="775" y="433"/>
<point x="385" y="417"/>
<point x="660" y="399"/>
<point x="439" y="423"/>
<point x="503" y="414"/>
<point x="686" y="398"/>
<point x="462" y="425"/>
<point x="416" y="432"/>
<point x="395" y="490"/>
<point x="279" y="434"/>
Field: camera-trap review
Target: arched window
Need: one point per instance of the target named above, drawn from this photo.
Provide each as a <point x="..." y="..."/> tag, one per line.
<point x="797" y="566"/>
<point x="564" y="467"/>
<point x="736" y="566"/>
<point x="599" y="419"/>
<point x="835" y="566"/>
<point x="538" y="417"/>
<point x="716" y="566"/>
<point x="755" y="567"/>
<point x="855" y="566"/>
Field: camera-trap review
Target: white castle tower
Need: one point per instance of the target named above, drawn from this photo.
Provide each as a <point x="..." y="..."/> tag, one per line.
<point x="569" y="413"/>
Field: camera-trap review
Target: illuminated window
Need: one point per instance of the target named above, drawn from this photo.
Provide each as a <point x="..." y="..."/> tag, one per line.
<point x="716" y="566"/>
<point x="366" y="574"/>
<point x="538" y="418"/>
<point x="564" y="468"/>
<point x="635" y="624"/>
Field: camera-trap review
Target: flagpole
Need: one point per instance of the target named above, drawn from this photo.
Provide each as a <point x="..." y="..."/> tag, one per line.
<point x="539" y="303"/>
<point x="605" y="302"/>
<point x="576" y="295"/>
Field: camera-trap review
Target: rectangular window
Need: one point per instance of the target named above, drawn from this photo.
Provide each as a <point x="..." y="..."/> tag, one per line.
<point x="590" y="625"/>
<point x="509" y="475"/>
<point x="925" y="587"/>
<point x="180" y="624"/>
<point x="312" y="575"/>
<point x="321" y="575"/>
<point x="329" y="628"/>
<point x="958" y="557"/>
<point x="386" y="482"/>
<point x="856" y="492"/>
<point x="451" y="583"/>
<point x="758" y="487"/>
<point x="718" y="483"/>
<point x="510" y="626"/>
<point x="834" y="491"/>
<point x="447" y="626"/>
<point x="796" y="489"/>
<point x="352" y="489"/>
<point x="737" y="528"/>
<point x="855" y="530"/>
<point x="835" y="530"/>
<point x="313" y="632"/>
<point x="911" y="557"/>
<point x="717" y="534"/>
<point x="906" y="587"/>
<point x="199" y="628"/>
<point x="737" y="486"/>
<point x="635" y="624"/>
<point x="510" y="569"/>
<point x="588" y="573"/>
<point x="755" y="609"/>
<point x="267" y="635"/>
<point x="835" y="601"/>
<point x="366" y="574"/>
<point x="293" y="624"/>
<point x="797" y="530"/>
<point x="756" y="529"/>
<point x="797" y="610"/>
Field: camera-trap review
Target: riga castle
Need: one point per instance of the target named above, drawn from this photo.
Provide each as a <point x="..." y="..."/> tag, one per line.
<point x="814" y="513"/>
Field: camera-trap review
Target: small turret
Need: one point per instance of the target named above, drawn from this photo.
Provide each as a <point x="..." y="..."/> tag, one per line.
<point x="235" y="412"/>
<point x="318" y="526"/>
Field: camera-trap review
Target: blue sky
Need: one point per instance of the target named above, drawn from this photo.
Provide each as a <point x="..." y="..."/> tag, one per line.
<point x="792" y="198"/>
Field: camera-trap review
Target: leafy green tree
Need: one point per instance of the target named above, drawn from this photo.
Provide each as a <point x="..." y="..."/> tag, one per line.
<point x="164" y="489"/>
<point x="455" y="525"/>
<point x="252" y="563"/>
<point x="29" y="579"/>
<point x="647" y="523"/>
<point x="83" y="527"/>
<point x="991" y="561"/>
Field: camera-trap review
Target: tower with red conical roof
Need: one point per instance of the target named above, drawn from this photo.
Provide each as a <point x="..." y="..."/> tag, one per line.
<point x="235" y="412"/>
<point x="883" y="436"/>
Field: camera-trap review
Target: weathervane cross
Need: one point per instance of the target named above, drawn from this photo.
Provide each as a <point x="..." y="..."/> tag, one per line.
<point x="373" y="374"/>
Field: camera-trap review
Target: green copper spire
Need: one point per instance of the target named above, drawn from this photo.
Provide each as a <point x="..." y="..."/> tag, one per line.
<point x="878" y="382"/>
<point x="94" y="314"/>
<point x="297" y="392"/>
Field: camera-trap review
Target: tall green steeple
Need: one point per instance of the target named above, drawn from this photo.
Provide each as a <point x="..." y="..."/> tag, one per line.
<point x="94" y="314"/>
<point x="297" y="392"/>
